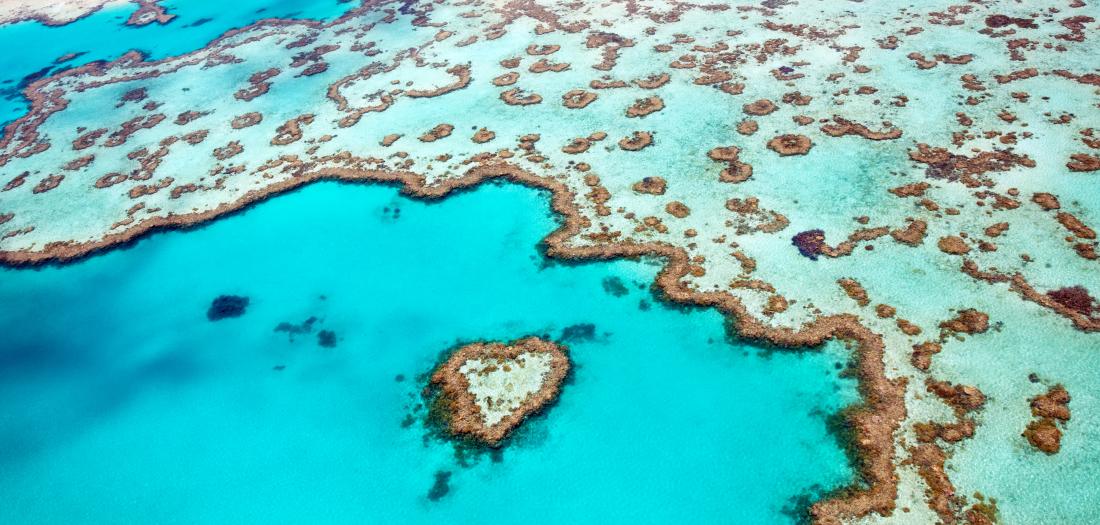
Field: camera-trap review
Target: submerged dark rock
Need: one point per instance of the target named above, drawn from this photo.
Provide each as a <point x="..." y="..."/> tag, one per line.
<point x="579" y="332"/>
<point x="199" y="22"/>
<point x="326" y="338"/>
<point x="441" y="486"/>
<point x="614" y="286"/>
<point x="292" y="330"/>
<point x="225" y="306"/>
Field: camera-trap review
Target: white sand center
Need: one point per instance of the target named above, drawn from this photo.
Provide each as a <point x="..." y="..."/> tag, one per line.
<point x="500" y="386"/>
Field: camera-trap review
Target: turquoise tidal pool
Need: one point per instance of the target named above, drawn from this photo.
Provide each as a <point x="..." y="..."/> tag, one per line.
<point x="120" y="402"/>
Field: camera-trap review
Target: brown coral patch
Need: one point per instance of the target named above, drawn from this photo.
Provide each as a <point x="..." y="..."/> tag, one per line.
<point x="790" y="144"/>
<point x="78" y="163"/>
<point x="911" y="235"/>
<point x="907" y="327"/>
<point x="607" y="84"/>
<point x="1044" y="435"/>
<point x="732" y="88"/>
<point x="1053" y="404"/>
<point x="195" y="137"/>
<point x="1075" y="226"/>
<point x="759" y="108"/>
<point x="950" y="432"/>
<point x="651" y="185"/>
<point x="291" y="130"/>
<point x="841" y="127"/>
<point x="506" y="79"/>
<point x="461" y="71"/>
<point x="1046" y="201"/>
<point x="577" y="98"/>
<point x="537" y="50"/>
<point x="483" y="135"/>
<point x="438" y="132"/>
<point x="677" y="209"/>
<point x="922" y="355"/>
<point x="188" y="117"/>
<point x="636" y="141"/>
<point x="543" y="65"/>
<point x="228" y="151"/>
<point x="968" y="321"/>
<point x="47" y="183"/>
<point x="929" y="460"/>
<point x="517" y="97"/>
<point x="736" y="172"/>
<point x="577" y="145"/>
<point x="88" y="139"/>
<point x="747" y="127"/>
<point x="142" y="190"/>
<point x="1083" y="162"/>
<point x="652" y="81"/>
<point x="258" y="84"/>
<point x="796" y="98"/>
<point x="775" y="304"/>
<point x="853" y="289"/>
<point x="1049" y="408"/>
<point x="724" y="153"/>
<point x="128" y="128"/>
<point x="995" y="230"/>
<point x="148" y="12"/>
<point x="110" y="179"/>
<point x="943" y="164"/>
<point x="712" y="77"/>
<point x="645" y="106"/>
<point x="953" y="244"/>
<point x="962" y="398"/>
<point x="246" y="120"/>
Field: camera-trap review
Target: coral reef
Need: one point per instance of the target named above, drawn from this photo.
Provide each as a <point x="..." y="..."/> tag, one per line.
<point x="485" y="390"/>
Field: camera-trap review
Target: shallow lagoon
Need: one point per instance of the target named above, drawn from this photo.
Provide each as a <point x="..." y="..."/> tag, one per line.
<point x="123" y="403"/>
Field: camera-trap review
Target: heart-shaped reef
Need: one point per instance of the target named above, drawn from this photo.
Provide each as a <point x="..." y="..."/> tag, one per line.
<point x="485" y="390"/>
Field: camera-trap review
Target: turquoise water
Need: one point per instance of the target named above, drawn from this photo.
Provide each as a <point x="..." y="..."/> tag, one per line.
<point x="122" y="403"/>
<point x="197" y="22"/>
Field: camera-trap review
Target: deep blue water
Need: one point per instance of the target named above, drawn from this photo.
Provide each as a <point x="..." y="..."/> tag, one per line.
<point x="121" y="403"/>
<point x="104" y="36"/>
